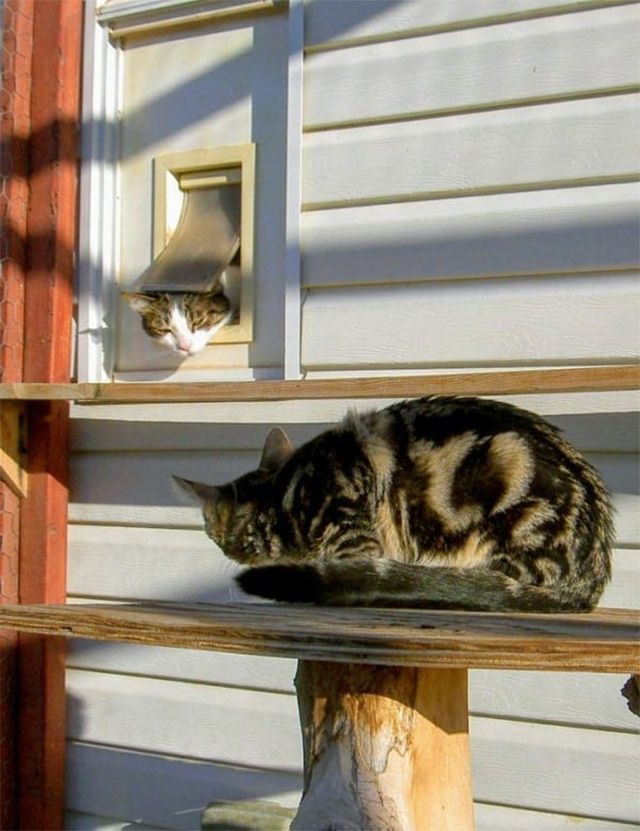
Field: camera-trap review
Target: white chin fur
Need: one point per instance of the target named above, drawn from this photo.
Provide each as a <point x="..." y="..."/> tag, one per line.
<point x="185" y="342"/>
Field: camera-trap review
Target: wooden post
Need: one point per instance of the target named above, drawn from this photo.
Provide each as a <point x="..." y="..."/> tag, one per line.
<point x="44" y="244"/>
<point x="384" y="748"/>
<point x="16" y="37"/>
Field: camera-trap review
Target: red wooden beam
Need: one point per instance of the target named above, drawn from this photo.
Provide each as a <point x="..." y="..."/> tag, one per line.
<point x="15" y="115"/>
<point x="43" y="152"/>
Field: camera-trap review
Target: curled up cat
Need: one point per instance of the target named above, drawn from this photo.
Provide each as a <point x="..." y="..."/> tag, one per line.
<point x="435" y="503"/>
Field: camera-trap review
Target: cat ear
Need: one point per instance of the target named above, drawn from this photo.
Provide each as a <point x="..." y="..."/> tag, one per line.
<point x="137" y="301"/>
<point x="277" y="449"/>
<point x="197" y="492"/>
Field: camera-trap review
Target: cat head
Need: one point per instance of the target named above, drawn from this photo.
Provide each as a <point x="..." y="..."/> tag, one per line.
<point x="184" y="322"/>
<point x="235" y="513"/>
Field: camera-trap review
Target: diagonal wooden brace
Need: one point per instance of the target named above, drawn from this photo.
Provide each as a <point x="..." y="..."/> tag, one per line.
<point x="12" y="446"/>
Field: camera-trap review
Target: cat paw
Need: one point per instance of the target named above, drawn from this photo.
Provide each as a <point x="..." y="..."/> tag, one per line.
<point x="288" y="584"/>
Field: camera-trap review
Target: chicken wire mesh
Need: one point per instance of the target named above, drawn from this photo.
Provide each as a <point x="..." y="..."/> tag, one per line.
<point x="15" y="35"/>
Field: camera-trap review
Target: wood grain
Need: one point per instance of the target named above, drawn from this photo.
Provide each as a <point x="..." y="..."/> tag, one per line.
<point x="574" y="379"/>
<point x="604" y="641"/>
<point x="406" y="734"/>
<point x="12" y="467"/>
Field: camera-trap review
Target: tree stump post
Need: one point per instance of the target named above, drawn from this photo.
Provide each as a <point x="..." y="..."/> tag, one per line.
<point x="385" y="748"/>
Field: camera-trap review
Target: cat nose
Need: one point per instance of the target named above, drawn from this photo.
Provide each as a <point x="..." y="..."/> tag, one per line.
<point x="184" y="345"/>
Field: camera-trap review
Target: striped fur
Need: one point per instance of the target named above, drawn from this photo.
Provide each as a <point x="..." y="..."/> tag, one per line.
<point x="184" y="322"/>
<point x="434" y="503"/>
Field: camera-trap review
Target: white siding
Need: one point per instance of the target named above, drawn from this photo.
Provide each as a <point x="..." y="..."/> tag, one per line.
<point x="551" y="145"/>
<point x="555" y="231"/>
<point x="164" y="791"/>
<point x="499" y="322"/>
<point x="473" y="69"/>
<point x="175" y="719"/>
<point x="470" y="199"/>
<point x="331" y="25"/>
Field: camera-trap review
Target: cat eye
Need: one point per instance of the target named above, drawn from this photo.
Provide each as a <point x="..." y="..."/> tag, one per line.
<point x="155" y="331"/>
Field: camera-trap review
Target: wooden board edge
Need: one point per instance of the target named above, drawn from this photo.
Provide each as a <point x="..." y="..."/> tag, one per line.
<point x="511" y="382"/>
<point x="527" y="649"/>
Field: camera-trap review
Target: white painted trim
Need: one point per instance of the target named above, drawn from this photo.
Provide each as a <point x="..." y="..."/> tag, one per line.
<point x="111" y="10"/>
<point x="293" y="192"/>
<point x="142" y="17"/>
<point x="99" y="199"/>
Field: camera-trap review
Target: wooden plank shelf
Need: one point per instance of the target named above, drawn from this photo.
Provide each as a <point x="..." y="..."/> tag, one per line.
<point x="606" y="640"/>
<point x="574" y="379"/>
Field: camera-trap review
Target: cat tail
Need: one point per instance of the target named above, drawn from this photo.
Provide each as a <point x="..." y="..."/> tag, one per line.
<point x="391" y="584"/>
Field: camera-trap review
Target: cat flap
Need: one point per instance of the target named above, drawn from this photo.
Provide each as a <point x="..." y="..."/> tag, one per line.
<point x="205" y="240"/>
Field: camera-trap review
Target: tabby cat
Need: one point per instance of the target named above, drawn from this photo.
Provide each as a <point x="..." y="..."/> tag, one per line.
<point x="441" y="502"/>
<point x="185" y="321"/>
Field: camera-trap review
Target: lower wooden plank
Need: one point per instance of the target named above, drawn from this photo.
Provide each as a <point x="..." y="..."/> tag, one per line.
<point x="605" y="640"/>
<point x="575" y="379"/>
<point x="12" y="467"/>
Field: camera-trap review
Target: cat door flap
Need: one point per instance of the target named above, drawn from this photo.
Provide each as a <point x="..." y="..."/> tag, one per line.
<point x="205" y="240"/>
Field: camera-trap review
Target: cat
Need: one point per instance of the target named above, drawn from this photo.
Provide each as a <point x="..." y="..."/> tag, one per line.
<point x="440" y="503"/>
<point x="186" y="321"/>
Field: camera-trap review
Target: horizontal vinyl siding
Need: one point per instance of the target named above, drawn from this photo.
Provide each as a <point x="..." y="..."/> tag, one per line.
<point x="331" y="25"/>
<point x="117" y="562"/>
<point x="581" y="699"/>
<point x="525" y="321"/>
<point x="590" y="229"/>
<point x="481" y="68"/>
<point x="191" y="785"/>
<point x="552" y="145"/>
<point x="210" y="724"/>
<point x="164" y="791"/>
<point x="470" y="199"/>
